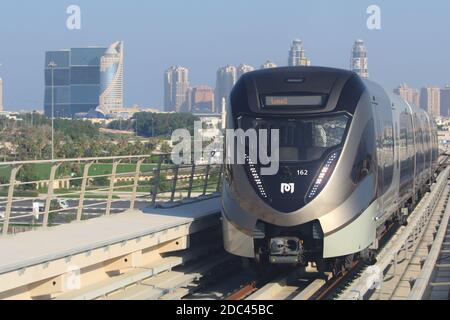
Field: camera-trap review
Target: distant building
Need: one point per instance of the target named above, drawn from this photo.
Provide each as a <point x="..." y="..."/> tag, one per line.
<point x="176" y="88"/>
<point x="211" y="125"/>
<point x="168" y="88"/>
<point x="79" y="80"/>
<point x="223" y="107"/>
<point x="111" y="79"/>
<point x="242" y="69"/>
<point x="268" y="65"/>
<point x="430" y="100"/>
<point x="297" y="55"/>
<point x="225" y="80"/>
<point x="411" y="95"/>
<point x="202" y="100"/>
<point x="445" y="102"/>
<point x="1" y="95"/>
<point x="359" y="61"/>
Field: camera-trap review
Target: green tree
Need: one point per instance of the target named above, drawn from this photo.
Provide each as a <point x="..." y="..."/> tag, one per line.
<point x="148" y="124"/>
<point x="165" y="147"/>
<point x="27" y="174"/>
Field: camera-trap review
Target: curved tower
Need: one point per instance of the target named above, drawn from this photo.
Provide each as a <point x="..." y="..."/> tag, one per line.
<point x="111" y="79"/>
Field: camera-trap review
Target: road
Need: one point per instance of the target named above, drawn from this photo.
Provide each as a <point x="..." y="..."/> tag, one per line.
<point x="24" y="207"/>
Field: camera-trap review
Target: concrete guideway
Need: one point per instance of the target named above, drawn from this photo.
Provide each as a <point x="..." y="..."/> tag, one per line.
<point x="42" y="264"/>
<point x="434" y="279"/>
<point x="173" y="284"/>
<point x="398" y="274"/>
<point x="297" y="285"/>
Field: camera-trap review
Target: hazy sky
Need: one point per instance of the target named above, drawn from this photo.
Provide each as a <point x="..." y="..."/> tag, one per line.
<point x="413" y="45"/>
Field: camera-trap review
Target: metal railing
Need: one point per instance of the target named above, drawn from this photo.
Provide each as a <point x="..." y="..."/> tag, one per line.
<point x="46" y="193"/>
<point x="173" y="184"/>
<point x="403" y="247"/>
<point x="423" y="285"/>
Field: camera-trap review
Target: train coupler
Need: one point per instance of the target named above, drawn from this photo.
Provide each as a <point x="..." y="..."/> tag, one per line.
<point x="287" y="250"/>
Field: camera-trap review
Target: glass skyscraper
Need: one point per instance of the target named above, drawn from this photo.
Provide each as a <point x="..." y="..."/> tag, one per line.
<point x="76" y="81"/>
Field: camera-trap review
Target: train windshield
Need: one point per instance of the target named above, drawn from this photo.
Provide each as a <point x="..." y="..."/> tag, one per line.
<point x="303" y="139"/>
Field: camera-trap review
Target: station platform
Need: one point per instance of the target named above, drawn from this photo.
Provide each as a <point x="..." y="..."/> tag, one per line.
<point x="40" y="258"/>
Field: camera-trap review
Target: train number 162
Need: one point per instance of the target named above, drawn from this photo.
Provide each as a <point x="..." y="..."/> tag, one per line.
<point x="303" y="173"/>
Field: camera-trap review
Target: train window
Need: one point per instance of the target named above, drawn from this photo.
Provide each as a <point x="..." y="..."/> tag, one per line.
<point x="406" y="148"/>
<point x="427" y="145"/>
<point x="303" y="139"/>
<point x="364" y="162"/>
<point x="388" y="150"/>
<point x="420" y="161"/>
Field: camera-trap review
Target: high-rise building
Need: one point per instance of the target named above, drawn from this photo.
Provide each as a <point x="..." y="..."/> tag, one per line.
<point x="297" y="55"/>
<point x="411" y="95"/>
<point x="176" y="89"/>
<point x="111" y="79"/>
<point x="81" y="78"/>
<point x="445" y="102"/>
<point x="226" y="79"/>
<point x="359" y="61"/>
<point x="1" y="95"/>
<point x="168" y="88"/>
<point x="268" y="65"/>
<point x="430" y="100"/>
<point x="243" y="68"/>
<point x="202" y="99"/>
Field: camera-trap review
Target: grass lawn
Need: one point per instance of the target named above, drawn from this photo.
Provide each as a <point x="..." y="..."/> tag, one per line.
<point x="42" y="171"/>
<point x="106" y="168"/>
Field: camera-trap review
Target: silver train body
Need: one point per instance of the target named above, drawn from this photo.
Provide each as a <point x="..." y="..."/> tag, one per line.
<point x="353" y="157"/>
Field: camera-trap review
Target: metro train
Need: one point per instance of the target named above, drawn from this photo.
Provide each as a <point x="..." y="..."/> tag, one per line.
<point x="353" y="159"/>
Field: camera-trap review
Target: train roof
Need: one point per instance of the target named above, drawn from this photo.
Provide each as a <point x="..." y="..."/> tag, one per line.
<point x="340" y="89"/>
<point x="313" y="79"/>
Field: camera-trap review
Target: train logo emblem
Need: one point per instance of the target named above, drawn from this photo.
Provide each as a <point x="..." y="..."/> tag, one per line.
<point x="287" y="188"/>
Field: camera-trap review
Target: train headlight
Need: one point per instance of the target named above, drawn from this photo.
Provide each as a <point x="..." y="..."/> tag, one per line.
<point x="256" y="177"/>
<point x="323" y="176"/>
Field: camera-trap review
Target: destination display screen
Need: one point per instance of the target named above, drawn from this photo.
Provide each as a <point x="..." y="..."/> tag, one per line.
<point x="294" y="101"/>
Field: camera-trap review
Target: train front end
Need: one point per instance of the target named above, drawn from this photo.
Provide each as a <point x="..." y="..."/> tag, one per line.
<point x="319" y="203"/>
